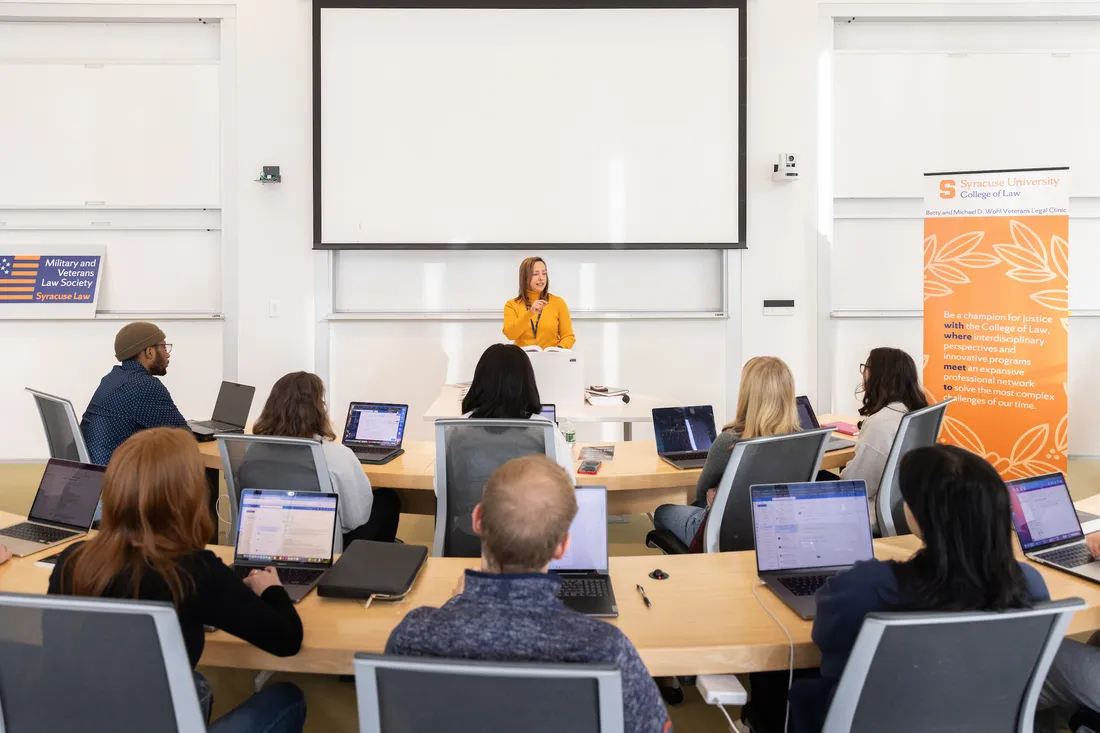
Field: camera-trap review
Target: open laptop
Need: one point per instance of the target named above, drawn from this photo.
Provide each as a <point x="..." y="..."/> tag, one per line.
<point x="374" y="431"/>
<point x="808" y="419"/>
<point x="1047" y="525"/>
<point x="63" y="508"/>
<point x="585" y="584"/>
<point x="292" y="531"/>
<point x="550" y="412"/>
<point x="684" y="434"/>
<point x="807" y="533"/>
<point x="230" y="412"/>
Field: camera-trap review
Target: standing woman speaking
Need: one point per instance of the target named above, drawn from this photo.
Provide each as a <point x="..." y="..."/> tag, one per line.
<point x="535" y="316"/>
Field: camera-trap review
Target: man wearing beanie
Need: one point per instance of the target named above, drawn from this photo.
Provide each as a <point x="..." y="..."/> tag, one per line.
<point x="131" y="398"/>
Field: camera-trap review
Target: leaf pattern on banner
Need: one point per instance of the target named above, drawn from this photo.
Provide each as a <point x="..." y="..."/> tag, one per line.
<point x="961" y="435"/>
<point x="1027" y="254"/>
<point x="1061" y="436"/>
<point x="1054" y="299"/>
<point x="942" y="265"/>
<point x="1065" y="323"/>
<point x="1026" y="458"/>
<point x="1059" y="251"/>
<point x="1030" y="444"/>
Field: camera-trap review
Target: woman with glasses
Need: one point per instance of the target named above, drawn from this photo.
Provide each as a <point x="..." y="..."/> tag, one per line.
<point x="891" y="388"/>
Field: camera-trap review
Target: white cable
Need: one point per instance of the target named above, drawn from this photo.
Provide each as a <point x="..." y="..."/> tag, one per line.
<point x="733" y="727"/>
<point x="790" y="641"/>
<point x="218" y="509"/>
<point x="367" y="604"/>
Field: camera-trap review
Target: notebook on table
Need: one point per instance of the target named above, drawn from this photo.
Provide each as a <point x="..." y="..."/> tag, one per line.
<point x="230" y="412"/>
<point x="585" y="583"/>
<point x="63" y="508"/>
<point x="374" y="431"/>
<point x="684" y="434"/>
<point x="292" y="531"/>
<point x="1047" y="525"/>
<point x="806" y="533"/>
<point x="808" y="420"/>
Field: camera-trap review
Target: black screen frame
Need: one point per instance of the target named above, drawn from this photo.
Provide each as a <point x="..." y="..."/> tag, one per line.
<point x="742" y="132"/>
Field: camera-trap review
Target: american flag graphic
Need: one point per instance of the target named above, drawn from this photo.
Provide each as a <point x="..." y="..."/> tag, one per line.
<point x="17" y="276"/>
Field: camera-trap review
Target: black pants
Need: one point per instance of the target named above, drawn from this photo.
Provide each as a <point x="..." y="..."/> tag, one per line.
<point x="385" y="513"/>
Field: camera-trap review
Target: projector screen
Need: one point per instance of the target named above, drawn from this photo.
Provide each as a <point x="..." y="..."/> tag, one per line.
<point x="501" y="128"/>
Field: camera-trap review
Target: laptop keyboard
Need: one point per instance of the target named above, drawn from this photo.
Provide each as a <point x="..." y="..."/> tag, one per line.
<point x="287" y="576"/>
<point x="583" y="588"/>
<point x="803" y="585"/>
<point x="690" y="455"/>
<point x="37" y="533"/>
<point x="1069" y="557"/>
<point x="215" y="425"/>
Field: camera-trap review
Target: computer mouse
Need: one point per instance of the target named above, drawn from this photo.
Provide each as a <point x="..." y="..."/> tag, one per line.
<point x="658" y="574"/>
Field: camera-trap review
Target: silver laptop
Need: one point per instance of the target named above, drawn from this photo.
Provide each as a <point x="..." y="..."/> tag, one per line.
<point x="63" y="508"/>
<point x="550" y="412"/>
<point x="585" y="584"/>
<point x="1047" y="525"/>
<point x="292" y="531"/>
<point x="808" y="420"/>
<point x="374" y="431"/>
<point x="230" y="412"/>
<point x="684" y="434"/>
<point x="807" y="533"/>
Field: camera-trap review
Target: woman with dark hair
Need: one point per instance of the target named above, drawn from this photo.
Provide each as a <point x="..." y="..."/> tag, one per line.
<point x="296" y="409"/>
<point x="504" y="388"/>
<point x="957" y="504"/>
<point x="534" y="316"/>
<point x="151" y="546"/>
<point x="891" y="388"/>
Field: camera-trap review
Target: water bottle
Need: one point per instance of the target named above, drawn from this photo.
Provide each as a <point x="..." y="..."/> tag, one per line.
<point x="570" y="434"/>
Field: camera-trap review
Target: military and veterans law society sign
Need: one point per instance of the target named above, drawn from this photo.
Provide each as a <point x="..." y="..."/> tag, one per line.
<point x="50" y="284"/>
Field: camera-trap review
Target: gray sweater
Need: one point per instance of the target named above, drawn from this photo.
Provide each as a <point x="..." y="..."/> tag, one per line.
<point x="875" y="438"/>
<point x="718" y="457"/>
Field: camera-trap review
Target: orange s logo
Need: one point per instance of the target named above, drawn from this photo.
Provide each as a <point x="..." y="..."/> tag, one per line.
<point x="947" y="189"/>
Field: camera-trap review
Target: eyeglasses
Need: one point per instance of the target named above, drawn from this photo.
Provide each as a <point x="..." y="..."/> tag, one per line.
<point x="862" y="368"/>
<point x="167" y="348"/>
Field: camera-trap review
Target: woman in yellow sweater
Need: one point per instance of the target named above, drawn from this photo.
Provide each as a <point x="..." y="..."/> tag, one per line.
<point x="535" y="316"/>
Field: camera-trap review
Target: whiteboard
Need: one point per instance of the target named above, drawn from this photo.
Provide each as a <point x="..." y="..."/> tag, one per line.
<point x="454" y="282"/>
<point x="493" y="127"/>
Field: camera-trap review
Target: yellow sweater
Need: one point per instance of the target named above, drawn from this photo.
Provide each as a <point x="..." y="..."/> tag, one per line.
<point x="555" y="327"/>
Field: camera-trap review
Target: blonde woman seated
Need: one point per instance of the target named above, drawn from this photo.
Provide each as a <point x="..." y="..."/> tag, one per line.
<point x="765" y="406"/>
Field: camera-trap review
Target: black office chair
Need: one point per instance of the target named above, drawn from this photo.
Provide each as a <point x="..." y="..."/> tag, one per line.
<point x="776" y="459"/>
<point x="918" y="429"/>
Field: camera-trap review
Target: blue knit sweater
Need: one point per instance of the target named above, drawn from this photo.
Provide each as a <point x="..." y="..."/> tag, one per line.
<point x="514" y="618"/>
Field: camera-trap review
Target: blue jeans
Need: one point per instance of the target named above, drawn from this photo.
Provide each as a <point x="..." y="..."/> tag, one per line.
<point x="280" y="708"/>
<point x="682" y="521"/>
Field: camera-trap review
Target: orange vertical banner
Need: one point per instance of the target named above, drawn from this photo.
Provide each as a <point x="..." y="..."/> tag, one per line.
<point x="996" y="313"/>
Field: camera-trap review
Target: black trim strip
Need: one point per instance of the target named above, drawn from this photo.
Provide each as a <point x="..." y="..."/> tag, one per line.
<point x="1002" y="170"/>
<point x="742" y="132"/>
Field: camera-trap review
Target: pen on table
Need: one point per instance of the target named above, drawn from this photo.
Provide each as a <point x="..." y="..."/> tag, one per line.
<point x="645" y="598"/>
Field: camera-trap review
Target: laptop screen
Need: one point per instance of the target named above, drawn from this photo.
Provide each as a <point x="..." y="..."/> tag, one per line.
<point x="811" y="525"/>
<point x="588" y="533"/>
<point x="68" y="494"/>
<point x="550" y="412"/>
<point x="680" y="429"/>
<point x="234" y="403"/>
<point x="806" y="417"/>
<point x="375" y="424"/>
<point x="286" y="526"/>
<point x="1042" y="511"/>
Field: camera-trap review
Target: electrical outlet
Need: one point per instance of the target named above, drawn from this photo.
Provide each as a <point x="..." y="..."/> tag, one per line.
<point x="274" y="309"/>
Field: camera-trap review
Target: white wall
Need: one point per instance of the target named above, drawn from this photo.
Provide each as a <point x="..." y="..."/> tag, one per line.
<point x="686" y="360"/>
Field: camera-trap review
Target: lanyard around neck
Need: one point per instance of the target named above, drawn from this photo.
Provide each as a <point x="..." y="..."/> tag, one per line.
<point x="535" y="324"/>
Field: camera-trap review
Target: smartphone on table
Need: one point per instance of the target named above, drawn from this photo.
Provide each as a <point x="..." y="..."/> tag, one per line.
<point x="590" y="468"/>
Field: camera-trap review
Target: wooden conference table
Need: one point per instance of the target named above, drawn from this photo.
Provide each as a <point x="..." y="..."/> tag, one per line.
<point x="637" y="480"/>
<point x="704" y="618"/>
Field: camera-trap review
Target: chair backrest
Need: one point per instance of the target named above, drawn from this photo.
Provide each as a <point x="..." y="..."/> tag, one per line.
<point x="979" y="672"/>
<point x="270" y="462"/>
<point x="61" y="426"/>
<point x="776" y="459"/>
<point x="918" y="429"/>
<point x="490" y="697"/>
<point x="467" y="452"/>
<point x="94" y="665"/>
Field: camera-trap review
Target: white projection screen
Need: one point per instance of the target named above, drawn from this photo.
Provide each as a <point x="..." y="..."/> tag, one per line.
<point x="577" y="127"/>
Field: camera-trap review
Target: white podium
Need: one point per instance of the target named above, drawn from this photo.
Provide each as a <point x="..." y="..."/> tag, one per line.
<point x="560" y="377"/>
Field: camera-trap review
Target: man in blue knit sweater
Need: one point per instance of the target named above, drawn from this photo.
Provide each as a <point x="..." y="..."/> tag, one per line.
<point x="509" y="611"/>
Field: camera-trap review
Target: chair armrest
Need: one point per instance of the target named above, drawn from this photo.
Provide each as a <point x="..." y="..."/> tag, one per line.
<point x="666" y="542"/>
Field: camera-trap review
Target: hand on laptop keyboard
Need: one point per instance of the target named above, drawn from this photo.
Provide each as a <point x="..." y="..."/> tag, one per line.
<point x="1092" y="541"/>
<point x="260" y="580"/>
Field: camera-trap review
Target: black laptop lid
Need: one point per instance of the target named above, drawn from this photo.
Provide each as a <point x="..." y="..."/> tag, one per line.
<point x="373" y="569"/>
<point x="375" y="425"/>
<point x="234" y="403"/>
<point x="68" y="494"/>
<point x="806" y="416"/>
<point x="683" y="429"/>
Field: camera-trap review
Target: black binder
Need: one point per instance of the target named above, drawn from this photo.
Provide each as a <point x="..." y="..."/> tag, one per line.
<point x="383" y="570"/>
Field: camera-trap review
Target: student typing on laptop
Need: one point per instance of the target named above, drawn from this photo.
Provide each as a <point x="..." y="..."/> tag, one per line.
<point x="296" y="409"/>
<point x="151" y="546"/>
<point x="131" y="398"/>
<point x="948" y="492"/>
<point x="765" y="406"/>
<point x="509" y="610"/>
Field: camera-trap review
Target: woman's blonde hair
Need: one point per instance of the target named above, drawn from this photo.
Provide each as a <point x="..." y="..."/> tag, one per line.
<point x="766" y="401"/>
